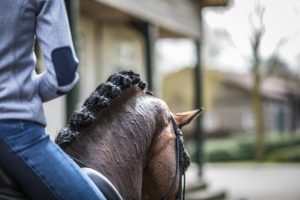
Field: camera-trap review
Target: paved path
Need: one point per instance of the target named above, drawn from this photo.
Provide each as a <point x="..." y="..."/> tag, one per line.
<point x="254" y="181"/>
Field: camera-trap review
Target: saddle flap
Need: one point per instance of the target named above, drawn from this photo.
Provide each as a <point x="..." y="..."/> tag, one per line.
<point x="9" y="190"/>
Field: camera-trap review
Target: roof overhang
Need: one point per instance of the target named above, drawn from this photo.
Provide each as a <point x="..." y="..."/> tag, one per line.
<point x="180" y="19"/>
<point x="212" y="3"/>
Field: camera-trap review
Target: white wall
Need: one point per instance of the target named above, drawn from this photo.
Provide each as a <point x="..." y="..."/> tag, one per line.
<point x="104" y="50"/>
<point x="55" y="115"/>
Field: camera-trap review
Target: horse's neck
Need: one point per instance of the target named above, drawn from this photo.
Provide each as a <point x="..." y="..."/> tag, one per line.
<point x="115" y="158"/>
<point x="118" y="144"/>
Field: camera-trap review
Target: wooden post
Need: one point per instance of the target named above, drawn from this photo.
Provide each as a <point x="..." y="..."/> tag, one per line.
<point x="150" y="41"/>
<point x="72" y="98"/>
<point x="198" y="102"/>
<point x="148" y="31"/>
<point x="199" y="135"/>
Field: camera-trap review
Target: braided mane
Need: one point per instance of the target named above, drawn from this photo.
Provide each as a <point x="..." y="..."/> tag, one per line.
<point x="99" y="99"/>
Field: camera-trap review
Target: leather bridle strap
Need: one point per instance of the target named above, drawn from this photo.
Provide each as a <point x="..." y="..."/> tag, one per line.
<point x="179" y="164"/>
<point x="181" y="153"/>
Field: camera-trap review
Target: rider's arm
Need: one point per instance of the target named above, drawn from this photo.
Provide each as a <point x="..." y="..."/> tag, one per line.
<point x="53" y="34"/>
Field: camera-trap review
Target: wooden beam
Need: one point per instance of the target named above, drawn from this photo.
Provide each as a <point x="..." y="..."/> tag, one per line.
<point x="148" y="31"/>
<point x="198" y="103"/>
<point x="73" y="96"/>
<point x="212" y="3"/>
<point x="103" y="13"/>
<point x="180" y="17"/>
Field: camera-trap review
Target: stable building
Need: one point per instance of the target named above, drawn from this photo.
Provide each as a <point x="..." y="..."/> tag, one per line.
<point x="110" y="35"/>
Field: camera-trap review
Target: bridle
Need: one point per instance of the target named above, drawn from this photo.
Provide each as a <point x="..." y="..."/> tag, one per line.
<point x="180" y="166"/>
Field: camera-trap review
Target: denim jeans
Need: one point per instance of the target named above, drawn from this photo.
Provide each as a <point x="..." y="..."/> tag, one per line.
<point x="41" y="169"/>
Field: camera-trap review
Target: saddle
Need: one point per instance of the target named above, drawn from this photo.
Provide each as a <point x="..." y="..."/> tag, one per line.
<point x="104" y="185"/>
<point x="9" y="190"/>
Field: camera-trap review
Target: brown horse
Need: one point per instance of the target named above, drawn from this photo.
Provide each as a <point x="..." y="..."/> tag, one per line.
<point x="127" y="134"/>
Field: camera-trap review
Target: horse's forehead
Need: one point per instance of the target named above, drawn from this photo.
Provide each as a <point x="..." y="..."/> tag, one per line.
<point x="151" y="103"/>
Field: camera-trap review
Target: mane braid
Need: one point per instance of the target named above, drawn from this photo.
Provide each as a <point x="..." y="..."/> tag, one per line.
<point x="99" y="99"/>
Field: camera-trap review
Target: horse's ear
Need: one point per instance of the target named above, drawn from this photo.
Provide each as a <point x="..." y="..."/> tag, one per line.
<point x="184" y="118"/>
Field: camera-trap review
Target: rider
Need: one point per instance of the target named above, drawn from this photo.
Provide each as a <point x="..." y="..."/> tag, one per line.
<point x="41" y="169"/>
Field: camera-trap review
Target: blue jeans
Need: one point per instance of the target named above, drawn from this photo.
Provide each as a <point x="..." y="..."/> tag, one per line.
<point x="41" y="169"/>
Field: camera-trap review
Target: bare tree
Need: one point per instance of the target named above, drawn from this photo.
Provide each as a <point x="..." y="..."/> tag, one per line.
<point x="258" y="29"/>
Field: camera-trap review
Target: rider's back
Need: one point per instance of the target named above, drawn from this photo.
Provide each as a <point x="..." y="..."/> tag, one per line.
<point x="22" y="91"/>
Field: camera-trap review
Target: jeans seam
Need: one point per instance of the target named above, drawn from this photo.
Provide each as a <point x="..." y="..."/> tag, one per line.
<point x="51" y="189"/>
<point x="20" y="126"/>
<point x="70" y="164"/>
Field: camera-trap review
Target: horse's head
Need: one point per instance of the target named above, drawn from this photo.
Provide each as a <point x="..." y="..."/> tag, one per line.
<point x="131" y="137"/>
<point x="168" y="159"/>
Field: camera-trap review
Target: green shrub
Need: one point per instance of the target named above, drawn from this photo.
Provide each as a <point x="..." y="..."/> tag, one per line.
<point x="220" y="155"/>
<point x="275" y="143"/>
<point x="277" y="148"/>
<point x="246" y="150"/>
<point x="287" y="154"/>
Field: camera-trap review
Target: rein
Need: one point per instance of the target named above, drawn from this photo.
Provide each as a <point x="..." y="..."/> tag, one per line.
<point x="179" y="163"/>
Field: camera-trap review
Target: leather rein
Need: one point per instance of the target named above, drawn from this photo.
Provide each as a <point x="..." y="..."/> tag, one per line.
<point x="180" y="159"/>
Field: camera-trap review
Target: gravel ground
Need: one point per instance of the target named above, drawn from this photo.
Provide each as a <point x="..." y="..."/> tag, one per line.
<point x="252" y="181"/>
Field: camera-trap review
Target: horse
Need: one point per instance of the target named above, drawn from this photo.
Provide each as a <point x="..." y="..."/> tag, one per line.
<point x="131" y="137"/>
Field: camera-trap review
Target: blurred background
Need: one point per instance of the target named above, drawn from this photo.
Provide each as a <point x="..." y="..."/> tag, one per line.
<point x="239" y="59"/>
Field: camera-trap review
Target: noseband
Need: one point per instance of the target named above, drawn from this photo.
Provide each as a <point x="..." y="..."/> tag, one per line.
<point x="180" y="164"/>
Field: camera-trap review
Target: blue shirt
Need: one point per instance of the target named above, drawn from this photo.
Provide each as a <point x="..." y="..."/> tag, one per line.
<point x="22" y="90"/>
